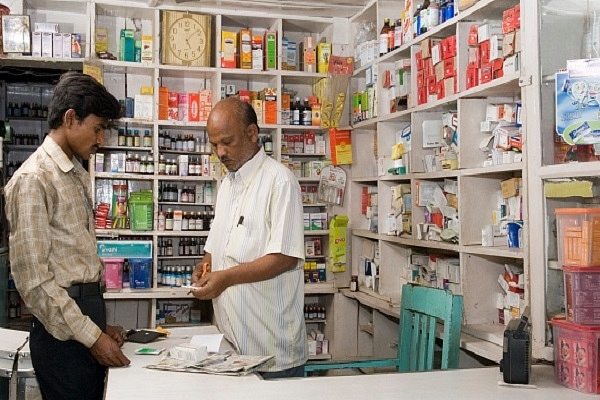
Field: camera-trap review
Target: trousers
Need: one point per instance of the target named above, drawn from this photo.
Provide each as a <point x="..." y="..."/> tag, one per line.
<point x="66" y="370"/>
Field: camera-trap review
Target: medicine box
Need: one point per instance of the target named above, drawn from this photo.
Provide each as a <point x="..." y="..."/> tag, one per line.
<point x="113" y="272"/>
<point x="575" y="355"/>
<point x="140" y="272"/>
<point x="578" y="233"/>
<point x="582" y="294"/>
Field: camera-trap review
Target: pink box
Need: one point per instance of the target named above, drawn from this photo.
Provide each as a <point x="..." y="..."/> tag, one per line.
<point x="582" y="294"/>
<point x="113" y="272"/>
<point x="575" y="355"/>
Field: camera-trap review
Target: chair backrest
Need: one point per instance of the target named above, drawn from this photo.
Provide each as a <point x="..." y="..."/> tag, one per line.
<point x="421" y="309"/>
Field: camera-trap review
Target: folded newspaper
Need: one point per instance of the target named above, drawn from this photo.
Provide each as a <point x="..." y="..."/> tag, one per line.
<point x="216" y="363"/>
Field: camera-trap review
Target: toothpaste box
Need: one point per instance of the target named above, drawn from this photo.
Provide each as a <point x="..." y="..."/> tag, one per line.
<point x="578" y="102"/>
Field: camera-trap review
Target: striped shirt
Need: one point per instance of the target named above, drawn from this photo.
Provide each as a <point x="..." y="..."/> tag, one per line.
<point x="52" y="240"/>
<point x="267" y="317"/>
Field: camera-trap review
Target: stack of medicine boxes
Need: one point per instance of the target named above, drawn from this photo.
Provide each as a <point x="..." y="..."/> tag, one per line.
<point x="577" y="337"/>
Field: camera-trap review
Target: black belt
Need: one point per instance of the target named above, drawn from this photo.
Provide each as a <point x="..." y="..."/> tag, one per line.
<point x="85" y="289"/>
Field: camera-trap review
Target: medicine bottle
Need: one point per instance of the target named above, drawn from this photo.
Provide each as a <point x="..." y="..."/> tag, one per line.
<point x="354" y="283"/>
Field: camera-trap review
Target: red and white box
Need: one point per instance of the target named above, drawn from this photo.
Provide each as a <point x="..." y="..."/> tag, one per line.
<point x="575" y="355"/>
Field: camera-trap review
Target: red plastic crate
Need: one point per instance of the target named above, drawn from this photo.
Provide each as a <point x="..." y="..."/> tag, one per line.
<point x="582" y="294"/>
<point x="576" y="355"/>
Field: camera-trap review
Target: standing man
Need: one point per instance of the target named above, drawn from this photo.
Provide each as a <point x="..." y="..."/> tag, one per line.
<point x="53" y="254"/>
<point x="255" y="248"/>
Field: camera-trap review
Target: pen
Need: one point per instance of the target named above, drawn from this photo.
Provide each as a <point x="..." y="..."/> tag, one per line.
<point x="240" y="220"/>
<point x="204" y="271"/>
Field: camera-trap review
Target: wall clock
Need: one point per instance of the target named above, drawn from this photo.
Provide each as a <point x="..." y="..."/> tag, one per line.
<point x="185" y="39"/>
<point x="16" y="34"/>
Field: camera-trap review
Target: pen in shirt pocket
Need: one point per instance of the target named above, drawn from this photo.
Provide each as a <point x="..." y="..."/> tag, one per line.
<point x="240" y="221"/>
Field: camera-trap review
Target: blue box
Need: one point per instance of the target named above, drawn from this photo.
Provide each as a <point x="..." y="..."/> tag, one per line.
<point x="140" y="273"/>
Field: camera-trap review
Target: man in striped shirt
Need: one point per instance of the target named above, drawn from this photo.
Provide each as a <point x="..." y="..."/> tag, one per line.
<point x="255" y="248"/>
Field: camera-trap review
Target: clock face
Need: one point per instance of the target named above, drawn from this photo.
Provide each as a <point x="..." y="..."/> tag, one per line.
<point x="187" y="39"/>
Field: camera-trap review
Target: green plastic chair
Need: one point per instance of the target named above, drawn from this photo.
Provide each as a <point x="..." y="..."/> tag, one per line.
<point x="420" y="310"/>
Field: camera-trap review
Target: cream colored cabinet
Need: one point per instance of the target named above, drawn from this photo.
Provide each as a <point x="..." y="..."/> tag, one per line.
<point x="568" y="26"/>
<point x="474" y="185"/>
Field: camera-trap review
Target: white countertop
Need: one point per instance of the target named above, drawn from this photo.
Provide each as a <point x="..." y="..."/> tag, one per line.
<point x="137" y="382"/>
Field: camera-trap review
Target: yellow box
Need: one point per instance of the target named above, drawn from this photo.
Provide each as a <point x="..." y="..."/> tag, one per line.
<point x="323" y="53"/>
<point x="147" y="48"/>
<point x="147" y="90"/>
<point x="245" y="49"/>
<point x="510" y="187"/>
<point x="228" y="49"/>
<point x="101" y="39"/>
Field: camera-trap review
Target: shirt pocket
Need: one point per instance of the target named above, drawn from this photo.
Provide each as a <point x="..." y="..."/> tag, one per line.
<point x="242" y="246"/>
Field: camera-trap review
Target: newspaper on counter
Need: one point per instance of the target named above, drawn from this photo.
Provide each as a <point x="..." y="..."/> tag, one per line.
<point x="216" y="363"/>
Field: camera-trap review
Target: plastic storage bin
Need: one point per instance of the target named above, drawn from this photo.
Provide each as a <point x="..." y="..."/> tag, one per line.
<point x="578" y="236"/>
<point x="113" y="272"/>
<point x="140" y="273"/>
<point x="576" y="355"/>
<point x="582" y="294"/>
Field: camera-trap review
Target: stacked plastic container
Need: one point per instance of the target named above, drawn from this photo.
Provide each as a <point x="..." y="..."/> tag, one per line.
<point x="577" y="336"/>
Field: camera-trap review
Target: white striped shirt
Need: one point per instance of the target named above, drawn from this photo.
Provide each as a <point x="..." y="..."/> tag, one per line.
<point x="267" y="317"/>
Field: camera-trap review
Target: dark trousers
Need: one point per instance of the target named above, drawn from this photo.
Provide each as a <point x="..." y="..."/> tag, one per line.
<point x="66" y="370"/>
<point x="295" y="372"/>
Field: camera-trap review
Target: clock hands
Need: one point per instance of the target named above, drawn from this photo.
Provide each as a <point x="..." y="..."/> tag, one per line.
<point x="187" y="40"/>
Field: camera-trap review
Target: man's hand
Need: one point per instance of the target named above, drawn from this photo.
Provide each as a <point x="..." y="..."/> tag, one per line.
<point x="108" y="353"/>
<point x="117" y="333"/>
<point x="211" y="285"/>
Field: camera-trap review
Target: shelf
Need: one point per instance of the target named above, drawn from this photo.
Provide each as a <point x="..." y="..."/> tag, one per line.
<point x="187" y="178"/>
<point x="320" y="288"/>
<point x="315" y="321"/>
<point x="155" y="293"/>
<point x="367" y="329"/>
<point x="316" y="233"/>
<point x="125" y="148"/>
<point x="304" y="155"/>
<point x="61" y="64"/>
<point x="382" y="305"/>
<point x="116" y="175"/>
<point x="569" y="171"/>
<point x="320" y="357"/>
<point x="494" y="251"/>
<point x="127" y="232"/>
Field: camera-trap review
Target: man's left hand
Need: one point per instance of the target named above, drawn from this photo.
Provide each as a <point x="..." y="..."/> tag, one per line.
<point x="117" y="333"/>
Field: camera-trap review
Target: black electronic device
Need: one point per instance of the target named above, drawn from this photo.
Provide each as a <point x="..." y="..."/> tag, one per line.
<point x="516" y="356"/>
<point x="143" y="336"/>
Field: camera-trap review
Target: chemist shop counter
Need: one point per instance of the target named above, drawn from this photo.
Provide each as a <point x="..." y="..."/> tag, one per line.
<point x="136" y="382"/>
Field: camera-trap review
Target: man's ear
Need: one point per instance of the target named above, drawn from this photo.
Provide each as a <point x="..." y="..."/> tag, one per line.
<point x="252" y="132"/>
<point x="69" y="118"/>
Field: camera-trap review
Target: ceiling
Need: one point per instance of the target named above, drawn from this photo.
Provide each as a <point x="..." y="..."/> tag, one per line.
<point x="317" y="8"/>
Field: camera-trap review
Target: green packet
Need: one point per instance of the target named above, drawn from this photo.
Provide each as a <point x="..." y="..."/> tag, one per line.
<point x="149" y="351"/>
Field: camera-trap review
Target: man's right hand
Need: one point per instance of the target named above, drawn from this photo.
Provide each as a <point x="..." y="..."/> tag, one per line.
<point x="108" y="353"/>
